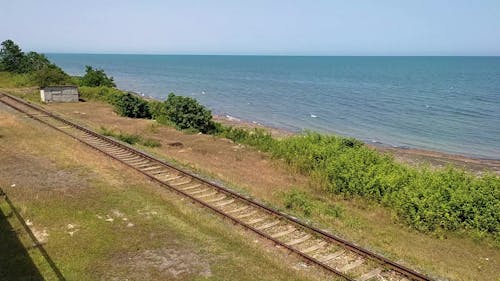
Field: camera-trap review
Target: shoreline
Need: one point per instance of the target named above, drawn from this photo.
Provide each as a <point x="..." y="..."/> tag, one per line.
<point x="411" y="156"/>
<point x="408" y="155"/>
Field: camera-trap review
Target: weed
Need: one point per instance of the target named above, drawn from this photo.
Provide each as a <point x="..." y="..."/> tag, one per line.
<point x="298" y="200"/>
<point x="151" y="143"/>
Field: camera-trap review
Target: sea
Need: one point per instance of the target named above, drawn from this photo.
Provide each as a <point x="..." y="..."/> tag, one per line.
<point x="445" y="104"/>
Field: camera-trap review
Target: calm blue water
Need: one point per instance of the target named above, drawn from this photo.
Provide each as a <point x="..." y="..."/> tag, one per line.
<point x="449" y="104"/>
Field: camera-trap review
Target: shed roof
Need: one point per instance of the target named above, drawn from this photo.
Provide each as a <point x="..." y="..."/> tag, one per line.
<point x="58" y="88"/>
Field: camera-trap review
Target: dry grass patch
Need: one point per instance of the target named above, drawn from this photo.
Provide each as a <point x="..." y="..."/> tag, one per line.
<point x="102" y="221"/>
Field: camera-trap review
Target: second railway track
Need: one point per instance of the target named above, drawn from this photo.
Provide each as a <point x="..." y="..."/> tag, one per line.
<point x="323" y="249"/>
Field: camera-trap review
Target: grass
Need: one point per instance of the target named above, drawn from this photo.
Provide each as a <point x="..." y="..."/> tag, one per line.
<point x="456" y="255"/>
<point x="79" y="189"/>
<point x="14" y="80"/>
<point x="131" y="138"/>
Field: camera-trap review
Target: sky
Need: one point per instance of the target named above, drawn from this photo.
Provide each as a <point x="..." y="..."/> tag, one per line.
<point x="255" y="27"/>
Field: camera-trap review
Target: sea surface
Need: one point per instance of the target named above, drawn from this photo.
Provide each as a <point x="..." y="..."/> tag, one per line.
<point x="447" y="104"/>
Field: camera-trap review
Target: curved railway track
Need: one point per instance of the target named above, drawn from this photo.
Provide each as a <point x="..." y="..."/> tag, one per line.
<point x="323" y="249"/>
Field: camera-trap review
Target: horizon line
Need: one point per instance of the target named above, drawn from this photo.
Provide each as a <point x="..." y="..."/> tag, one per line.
<point x="255" y="55"/>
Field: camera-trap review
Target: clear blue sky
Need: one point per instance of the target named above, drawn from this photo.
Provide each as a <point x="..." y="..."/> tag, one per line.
<point x="287" y="27"/>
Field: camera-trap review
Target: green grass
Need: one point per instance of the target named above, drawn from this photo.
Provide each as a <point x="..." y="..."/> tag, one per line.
<point x="15" y="80"/>
<point x="131" y="139"/>
<point x="105" y="94"/>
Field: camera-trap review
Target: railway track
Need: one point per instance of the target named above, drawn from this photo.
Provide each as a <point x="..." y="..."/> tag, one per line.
<point x="318" y="247"/>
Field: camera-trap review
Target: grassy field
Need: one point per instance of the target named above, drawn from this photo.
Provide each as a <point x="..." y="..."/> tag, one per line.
<point x="98" y="220"/>
<point x="452" y="255"/>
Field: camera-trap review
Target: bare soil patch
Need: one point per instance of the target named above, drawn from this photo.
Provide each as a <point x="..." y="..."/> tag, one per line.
<point x="167" y="263"/>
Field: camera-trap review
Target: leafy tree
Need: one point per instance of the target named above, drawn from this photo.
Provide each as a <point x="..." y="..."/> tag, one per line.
<point x="131" y="105"/>
<point x="12" y="59"/>
<point x="34" y="61"/>
<point x="96" y="77"/>
<point x="40" y="69"/>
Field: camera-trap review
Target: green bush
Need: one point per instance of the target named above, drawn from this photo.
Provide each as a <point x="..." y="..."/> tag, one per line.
<point x="255" y="137"/>
<point x="96" y="78"/>
<point x="130" y="105"/>
<point x="49" y="76"/>
<point x="184" y="112"/>
<point x="297" y="200"/>
<point x="105" y="94"/>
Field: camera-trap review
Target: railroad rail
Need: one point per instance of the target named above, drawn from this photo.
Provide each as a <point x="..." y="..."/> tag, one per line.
<point x="317" y="246"/>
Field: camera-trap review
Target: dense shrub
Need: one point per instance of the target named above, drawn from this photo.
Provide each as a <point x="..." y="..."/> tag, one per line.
<point x="184" y="113"/>
<point x="105" y="94"/>
<point x="49" y="76"/>
<point x="124" y="103"/>
<point x="130" y="105"/>
<point x="299" y="201"/>
<point x="426" y="199"/>
<point x="96" y="78"/>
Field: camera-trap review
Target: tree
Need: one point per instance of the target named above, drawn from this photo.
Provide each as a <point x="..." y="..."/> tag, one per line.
<point x="34" y="61"/>
<point x="12" y="59"/>
<point x="96" y="77"/>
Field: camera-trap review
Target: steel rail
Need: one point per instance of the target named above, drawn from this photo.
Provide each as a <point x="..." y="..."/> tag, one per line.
<point x="319" y="232"/>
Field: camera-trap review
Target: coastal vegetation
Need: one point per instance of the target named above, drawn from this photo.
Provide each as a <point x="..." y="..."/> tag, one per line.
<point x="425" y="198"/>
<point x="184" y="112"/>
<point x="130" y="138"/>
<point x="32" y="68"/>
<point x="96" y="78"/>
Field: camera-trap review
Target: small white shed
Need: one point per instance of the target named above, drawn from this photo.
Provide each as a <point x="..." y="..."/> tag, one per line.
<point x="59" y="94"/>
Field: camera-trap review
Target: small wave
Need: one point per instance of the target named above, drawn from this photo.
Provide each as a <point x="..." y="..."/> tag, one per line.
<point x="401" y="146"/>
<point x="231" y="118"/>
<point x="313" y="116"/>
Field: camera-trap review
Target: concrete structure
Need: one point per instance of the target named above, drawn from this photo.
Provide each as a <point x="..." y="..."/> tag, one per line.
<point x="59" y="94"/>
